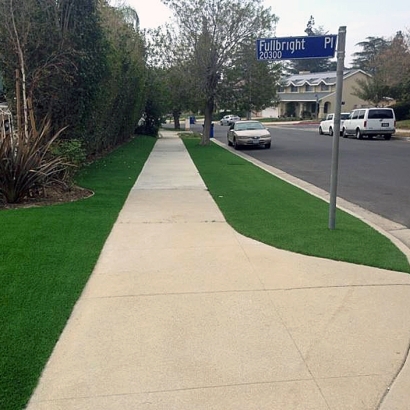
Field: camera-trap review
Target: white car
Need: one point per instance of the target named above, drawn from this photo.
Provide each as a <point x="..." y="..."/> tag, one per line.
<point x="250" y="133"/>
<point x="370" y="122"/>
<point x="327" y="125"/>
<point x="229" y="119"/>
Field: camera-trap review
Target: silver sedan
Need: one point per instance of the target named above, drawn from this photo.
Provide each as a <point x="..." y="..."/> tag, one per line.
<point x="229" y="119"/>
<point x="249" y="133"/>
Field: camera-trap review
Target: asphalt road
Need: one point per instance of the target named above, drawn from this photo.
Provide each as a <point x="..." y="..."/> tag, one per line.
<point x="374" y="174"/>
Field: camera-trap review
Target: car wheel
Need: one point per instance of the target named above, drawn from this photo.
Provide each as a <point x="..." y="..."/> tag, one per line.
<point x="235" y="144"/>
<point x="267" y="146"/>
<point x="229" y="143"/>
<point x="387" y="136"/>
<point x="331" y="131"/>
<point x="220" y="122"/>
<point x="320" y="131"/>
<point x="359" y="135"/>
<point x="344" y="134"/>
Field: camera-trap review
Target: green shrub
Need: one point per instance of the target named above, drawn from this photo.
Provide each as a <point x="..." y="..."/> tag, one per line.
<point x="73" y="154"/>
<point x="26" y="165"/>
<point x="402" y="110"/>
<point x="72" y="151"/>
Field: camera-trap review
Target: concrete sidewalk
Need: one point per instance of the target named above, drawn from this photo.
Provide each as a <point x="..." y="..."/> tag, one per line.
<point x="183" y="313"/>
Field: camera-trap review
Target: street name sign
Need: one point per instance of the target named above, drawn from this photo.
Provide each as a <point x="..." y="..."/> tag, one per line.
<point x="293" y="48"/>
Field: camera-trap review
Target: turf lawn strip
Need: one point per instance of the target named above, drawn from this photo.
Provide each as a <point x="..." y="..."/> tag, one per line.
<point x="46" y="256"/>
<point x="263" y="207"/>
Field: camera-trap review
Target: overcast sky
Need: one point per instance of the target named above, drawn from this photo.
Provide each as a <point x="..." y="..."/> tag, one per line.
<point x="362" y="18"/>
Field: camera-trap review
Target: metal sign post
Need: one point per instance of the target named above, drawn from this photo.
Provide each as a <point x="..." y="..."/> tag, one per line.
<point x="341" y="45"/>
<point x="293" y="48"/>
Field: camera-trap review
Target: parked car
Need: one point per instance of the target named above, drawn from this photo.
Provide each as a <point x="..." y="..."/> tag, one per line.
<point x="370" y="122"/>
<point x="229" y="119"/>
<point x="327" y="125"/>
<point x="251" y="133"/>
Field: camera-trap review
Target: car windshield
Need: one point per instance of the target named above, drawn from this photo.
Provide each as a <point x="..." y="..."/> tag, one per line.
<point x="242" y="126"/>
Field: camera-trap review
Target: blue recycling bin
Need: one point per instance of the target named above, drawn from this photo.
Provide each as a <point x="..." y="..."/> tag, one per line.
<point x="211" y="133"/>
<point x="192" y="120"/>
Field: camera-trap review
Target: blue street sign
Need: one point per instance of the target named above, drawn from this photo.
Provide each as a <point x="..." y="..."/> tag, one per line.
<point x="292" y="48"/>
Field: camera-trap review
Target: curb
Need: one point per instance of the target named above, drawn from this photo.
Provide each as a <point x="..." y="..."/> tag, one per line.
<point x="398" y="234"/>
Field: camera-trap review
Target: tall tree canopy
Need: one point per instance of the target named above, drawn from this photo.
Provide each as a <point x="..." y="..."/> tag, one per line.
<point x="366" y="58"/>
<point x="211" y="34"/>
<point x="80" y="64"/>
<point x="389" y="63"/>
<point x="393" y="66"/>
<point x="313" y="65"/>
<point x="247" y="84"/>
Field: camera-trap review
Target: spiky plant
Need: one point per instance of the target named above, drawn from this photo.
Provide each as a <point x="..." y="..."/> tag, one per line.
<point x="26" y="164"/>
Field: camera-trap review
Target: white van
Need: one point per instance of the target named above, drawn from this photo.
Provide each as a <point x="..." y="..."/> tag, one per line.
<point x="370" y="122"/>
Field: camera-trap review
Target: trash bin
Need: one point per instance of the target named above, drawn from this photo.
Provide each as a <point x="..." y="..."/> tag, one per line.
<point x="211" y="133"/>
<point x="192" y="120"/>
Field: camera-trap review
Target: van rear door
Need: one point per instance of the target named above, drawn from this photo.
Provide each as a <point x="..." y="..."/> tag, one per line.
<point x="380" y="119"/>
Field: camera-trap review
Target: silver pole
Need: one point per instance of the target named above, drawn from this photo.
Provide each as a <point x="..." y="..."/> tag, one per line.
<point x="341" y="45"/>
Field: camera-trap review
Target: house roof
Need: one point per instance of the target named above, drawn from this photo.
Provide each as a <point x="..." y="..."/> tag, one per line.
<point x="328" y="78"/>
<point x="303" y="96"/>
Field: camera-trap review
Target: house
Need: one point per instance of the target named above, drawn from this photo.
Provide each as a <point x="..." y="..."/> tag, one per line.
<point x="312" y="95"/>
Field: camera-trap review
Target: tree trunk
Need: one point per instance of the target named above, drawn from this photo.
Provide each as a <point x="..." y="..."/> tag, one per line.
<point x="176" y="114"/>
<point x="209" y="109"/>
<point x="22" y="71"/>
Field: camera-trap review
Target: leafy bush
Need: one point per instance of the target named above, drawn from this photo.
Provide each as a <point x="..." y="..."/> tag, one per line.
<point x="306" y="115"/>
<point x="74" y="155"/>
<point x="402" y="110"/>
<point x="72" y="151"/>
<point x="26" y="165"/>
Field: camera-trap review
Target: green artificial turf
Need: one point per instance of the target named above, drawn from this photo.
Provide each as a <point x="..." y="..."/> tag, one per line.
<point x="405" y="124"/>
<point x="46" y="257"/>
<point x="262" y="206"/>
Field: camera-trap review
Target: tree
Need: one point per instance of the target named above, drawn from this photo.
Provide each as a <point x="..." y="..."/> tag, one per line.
<point x="84" y="65"/>
<point x="393" y="66"/>
<point x="248" y="85"/>
<point x="372" y="90"/>
<point x="26" y="165"/>
<point x="366" y="59"/>
<point x="131" y="17"/>
<point x="389" y="63"/>
<point x="122" y="91"/>
<point x="16" y="33"/>
<point x="73" y="70"/>
<point x="178" y="86"/>
<point x="313" y="65"/>
<point x="44" y="41"/>
<point x="154" y="103"/>
<point x="210" y="34"/>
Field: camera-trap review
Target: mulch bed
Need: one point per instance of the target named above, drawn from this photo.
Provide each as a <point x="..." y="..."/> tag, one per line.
<point x="50" y="196"/>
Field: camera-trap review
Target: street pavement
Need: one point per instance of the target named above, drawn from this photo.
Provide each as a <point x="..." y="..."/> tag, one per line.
<point x="182" y="312"/>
